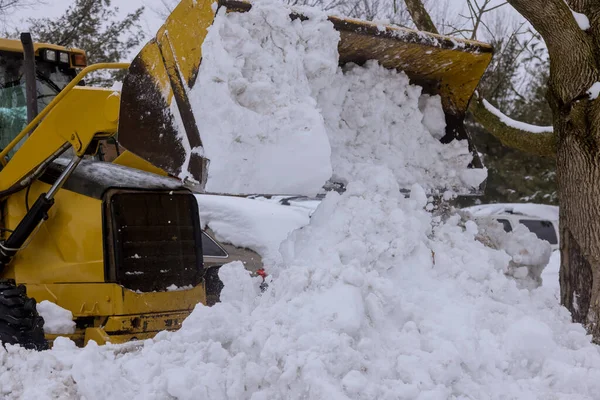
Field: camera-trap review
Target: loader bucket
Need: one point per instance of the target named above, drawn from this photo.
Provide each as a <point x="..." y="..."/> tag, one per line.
<point x="156" y="119"/>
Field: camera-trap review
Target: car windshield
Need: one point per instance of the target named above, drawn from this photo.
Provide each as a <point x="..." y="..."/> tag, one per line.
<point x="51" y="79"/>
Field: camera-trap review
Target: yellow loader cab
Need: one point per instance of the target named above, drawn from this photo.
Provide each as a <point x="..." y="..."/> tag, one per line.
<point x="56" y="66"/>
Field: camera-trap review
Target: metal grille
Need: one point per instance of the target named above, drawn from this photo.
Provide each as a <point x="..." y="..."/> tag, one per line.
<point x="153" y="239"/>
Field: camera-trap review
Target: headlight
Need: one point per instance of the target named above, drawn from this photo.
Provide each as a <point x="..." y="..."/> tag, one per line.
<point x="64" y="57"/>
<point x="49" y="55"/>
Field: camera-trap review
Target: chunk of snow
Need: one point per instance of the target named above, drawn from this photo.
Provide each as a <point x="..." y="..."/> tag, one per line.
<point x="175" y="288"/>
<point x="57" y="320"/>
<point x="373" y="114"/>
<point x="594" y="91"/>
<point x="582" y="20"/>
<point x="261" y="128"/>
<point x="516" y="124"/>
<point x="433" y="115"/>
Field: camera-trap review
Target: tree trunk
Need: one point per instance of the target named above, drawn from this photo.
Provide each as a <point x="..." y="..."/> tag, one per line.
<point x="574" y="68"/>
<point x="578" y="174"/>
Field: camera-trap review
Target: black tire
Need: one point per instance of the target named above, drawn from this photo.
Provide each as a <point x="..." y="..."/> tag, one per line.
<point x="20" y="322"/>
<point x="213" y="286"/>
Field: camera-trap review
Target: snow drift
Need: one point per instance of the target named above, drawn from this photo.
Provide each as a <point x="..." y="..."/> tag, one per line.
<point x="374" y="299"/>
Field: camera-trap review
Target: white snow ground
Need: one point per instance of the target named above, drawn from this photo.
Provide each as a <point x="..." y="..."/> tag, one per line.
<point x="373" y="299"/>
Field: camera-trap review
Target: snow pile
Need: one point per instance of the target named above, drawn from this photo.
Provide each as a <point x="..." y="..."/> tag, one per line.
<point x="257" y="225"/>
<point x="370" y="302"/>
<point x="279" y="116"/>
<point x="57" y="320"/>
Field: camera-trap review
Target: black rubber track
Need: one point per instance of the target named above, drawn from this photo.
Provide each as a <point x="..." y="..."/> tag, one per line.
<point x="20" y="322"/>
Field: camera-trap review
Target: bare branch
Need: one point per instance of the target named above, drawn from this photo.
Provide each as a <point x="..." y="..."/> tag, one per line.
<point x="420" y="16"/>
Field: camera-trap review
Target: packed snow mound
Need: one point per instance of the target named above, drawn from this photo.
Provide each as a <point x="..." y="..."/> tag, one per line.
<point x="374" y="299"/>
<point x="57" y="320"/>
<point x="279" y="116"/>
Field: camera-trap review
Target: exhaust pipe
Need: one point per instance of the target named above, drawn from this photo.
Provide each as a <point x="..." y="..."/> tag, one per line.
<point x="30" y="81"/>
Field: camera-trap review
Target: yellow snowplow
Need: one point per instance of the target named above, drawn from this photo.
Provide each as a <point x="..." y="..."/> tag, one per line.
<point x="119" y="244"/>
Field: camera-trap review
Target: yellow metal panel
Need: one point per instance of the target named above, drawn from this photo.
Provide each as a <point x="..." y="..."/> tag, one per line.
<point x="67" y="247"/>
<point x="16" y="46"/>
<point x="182" y="36"/>
<point x="128" y="159"/>
<point x="145" y="322"/>
<point x="106" y="299"/>
<point x="77" y="118"/>
<point x="97" y="335"/>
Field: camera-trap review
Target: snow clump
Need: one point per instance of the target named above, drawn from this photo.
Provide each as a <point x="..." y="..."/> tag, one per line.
<point x="57" y="320"/>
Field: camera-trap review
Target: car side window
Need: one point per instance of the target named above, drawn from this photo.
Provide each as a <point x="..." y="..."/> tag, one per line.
<point x="506" y="224"/>
<point x="543" y="229"/>
<point x="210" y="248"/>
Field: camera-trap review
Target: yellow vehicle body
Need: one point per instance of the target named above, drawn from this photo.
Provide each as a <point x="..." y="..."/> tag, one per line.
<point x="64" y="262"/>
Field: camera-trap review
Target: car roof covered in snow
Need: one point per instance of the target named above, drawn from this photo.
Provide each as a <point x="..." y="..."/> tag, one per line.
<point x="543" y="211"/>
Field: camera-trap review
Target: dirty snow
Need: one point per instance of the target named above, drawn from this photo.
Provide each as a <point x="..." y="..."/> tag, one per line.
<point x="516" y="124"/>
<point x="374" y="299"/>
<point x="57" y="320"/>
<point x="279" y="116"/>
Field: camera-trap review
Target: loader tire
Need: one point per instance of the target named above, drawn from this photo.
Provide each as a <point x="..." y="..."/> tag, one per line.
<point x="20" y="322"/>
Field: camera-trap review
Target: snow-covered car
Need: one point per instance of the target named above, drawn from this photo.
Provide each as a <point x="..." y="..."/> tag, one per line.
<point x="540" y="219"/>
<point x="216" y="254"/>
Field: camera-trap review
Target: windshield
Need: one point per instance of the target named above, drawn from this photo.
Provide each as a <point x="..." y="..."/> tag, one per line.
<point x="51" y="79"/>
